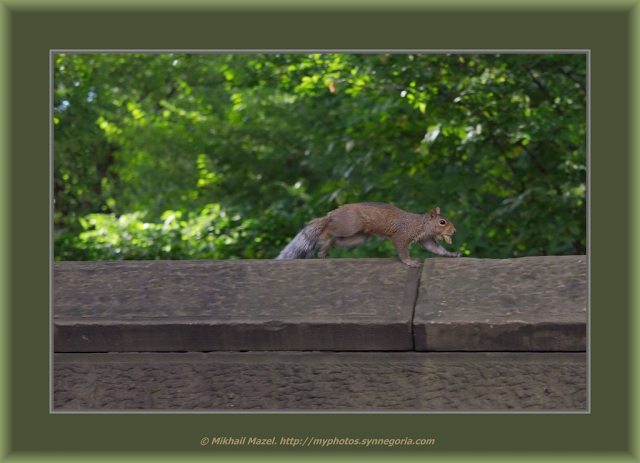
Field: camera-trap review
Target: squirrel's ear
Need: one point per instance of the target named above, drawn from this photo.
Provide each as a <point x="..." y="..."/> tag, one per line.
<point x="435" y="211"/>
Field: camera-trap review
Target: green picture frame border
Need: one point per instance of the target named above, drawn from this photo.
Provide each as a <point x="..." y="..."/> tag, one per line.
<point x="29" y="29"/>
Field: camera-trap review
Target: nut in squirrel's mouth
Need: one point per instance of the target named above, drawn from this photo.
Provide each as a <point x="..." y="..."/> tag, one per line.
<point x="446" y="238"/>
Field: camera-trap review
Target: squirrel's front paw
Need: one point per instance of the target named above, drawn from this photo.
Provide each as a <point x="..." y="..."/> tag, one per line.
<point x="413" y="263"/>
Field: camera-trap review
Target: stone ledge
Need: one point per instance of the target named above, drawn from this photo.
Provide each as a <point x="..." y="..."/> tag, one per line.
<point x="528" y="304"/>
<point x="402" y="381"/>
<point x="169" y="306"/>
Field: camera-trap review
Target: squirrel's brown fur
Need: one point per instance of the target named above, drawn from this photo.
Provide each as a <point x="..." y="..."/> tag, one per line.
<point x="352" y="224"/>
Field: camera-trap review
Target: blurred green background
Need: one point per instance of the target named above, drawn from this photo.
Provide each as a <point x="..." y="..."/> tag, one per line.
<point x="227" y="156"/>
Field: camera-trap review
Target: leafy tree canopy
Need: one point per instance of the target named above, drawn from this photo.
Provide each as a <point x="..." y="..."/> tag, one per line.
<point x="222" y="156"/>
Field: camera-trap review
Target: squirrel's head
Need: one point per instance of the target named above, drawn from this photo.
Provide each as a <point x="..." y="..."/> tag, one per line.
<point x="443" y="227"/>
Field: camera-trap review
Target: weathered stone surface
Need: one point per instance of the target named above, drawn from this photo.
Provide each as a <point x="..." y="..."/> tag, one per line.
<point x="526" y="304"/>
<point x="406" y="381"/>
<point x="331" y="304"/>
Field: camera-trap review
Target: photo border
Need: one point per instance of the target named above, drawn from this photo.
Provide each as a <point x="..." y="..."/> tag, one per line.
<point x="27" y="425"/>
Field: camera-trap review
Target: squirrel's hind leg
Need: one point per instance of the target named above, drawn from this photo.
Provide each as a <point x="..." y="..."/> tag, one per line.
<point x="343" y="242"/>
<point x="351" y="241"/>
<point x="323" y="252"/>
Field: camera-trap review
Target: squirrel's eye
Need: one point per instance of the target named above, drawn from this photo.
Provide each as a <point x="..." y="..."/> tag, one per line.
<point x="442" y="222"/>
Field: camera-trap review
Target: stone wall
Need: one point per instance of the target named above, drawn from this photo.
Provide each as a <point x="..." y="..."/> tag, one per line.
<point x="332" y="334"/>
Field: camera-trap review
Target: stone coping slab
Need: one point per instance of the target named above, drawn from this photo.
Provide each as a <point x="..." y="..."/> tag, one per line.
<point x="235" y="305"/>
<point x="526" y="304"/>
<point x="536" y="304"/>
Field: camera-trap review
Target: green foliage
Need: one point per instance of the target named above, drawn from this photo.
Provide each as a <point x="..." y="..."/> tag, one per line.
<point x="227" y="156"/>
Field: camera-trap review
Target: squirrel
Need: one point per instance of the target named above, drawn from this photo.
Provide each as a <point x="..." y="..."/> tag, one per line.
<point x="352" y="224"/>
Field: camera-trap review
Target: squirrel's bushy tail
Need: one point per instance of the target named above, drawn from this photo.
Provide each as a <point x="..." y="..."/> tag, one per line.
<point x="305" y="242"/>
